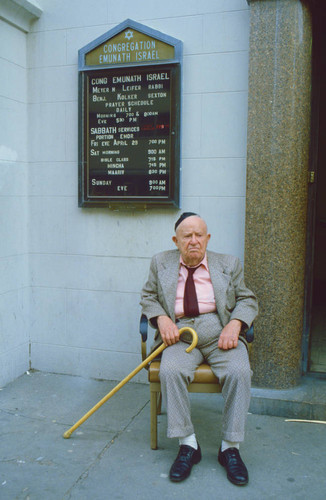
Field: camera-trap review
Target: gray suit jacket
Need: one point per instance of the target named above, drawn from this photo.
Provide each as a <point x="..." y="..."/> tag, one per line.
<point x="233" y="299"/>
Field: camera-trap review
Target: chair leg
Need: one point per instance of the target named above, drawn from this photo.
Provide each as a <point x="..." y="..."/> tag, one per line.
<point x="159" y="404"/>
<point x="153" y="400"/>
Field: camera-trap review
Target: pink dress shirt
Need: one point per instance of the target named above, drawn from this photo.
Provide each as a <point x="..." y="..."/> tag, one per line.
<point x="204" y="289"/>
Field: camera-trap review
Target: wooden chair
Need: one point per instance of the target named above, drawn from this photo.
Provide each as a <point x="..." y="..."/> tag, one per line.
<point x="204" y="379"/>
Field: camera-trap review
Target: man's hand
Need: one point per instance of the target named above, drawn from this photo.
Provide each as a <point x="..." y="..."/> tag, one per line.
<point x="230" y="335"/>
<point x="168" y="330"/>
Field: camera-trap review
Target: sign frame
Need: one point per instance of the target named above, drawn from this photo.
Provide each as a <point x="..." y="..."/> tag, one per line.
<point x="171" y="66"/>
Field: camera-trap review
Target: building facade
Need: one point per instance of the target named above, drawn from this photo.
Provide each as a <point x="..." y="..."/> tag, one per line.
<point x="71" y="276"/>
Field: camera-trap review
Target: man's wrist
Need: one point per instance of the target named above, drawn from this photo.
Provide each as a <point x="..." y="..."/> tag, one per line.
<point x="237" y="324"/>
<point x="161" y="317"/>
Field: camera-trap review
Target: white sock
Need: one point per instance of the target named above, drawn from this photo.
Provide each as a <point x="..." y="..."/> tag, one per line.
<point x="229" y="444"/>
<point x="189" y="441"/>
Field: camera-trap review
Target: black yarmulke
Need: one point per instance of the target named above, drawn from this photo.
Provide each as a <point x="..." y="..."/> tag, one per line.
<point x="183" y="217"/>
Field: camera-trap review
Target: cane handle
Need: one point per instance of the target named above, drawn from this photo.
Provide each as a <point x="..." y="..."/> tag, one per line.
<point x="194" y="337"/>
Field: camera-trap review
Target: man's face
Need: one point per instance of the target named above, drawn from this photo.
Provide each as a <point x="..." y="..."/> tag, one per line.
<point x="191" y="238"/>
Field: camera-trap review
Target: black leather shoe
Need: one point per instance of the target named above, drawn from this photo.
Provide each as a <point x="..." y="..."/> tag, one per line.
<point x="181" y="467"/>
<point x="236" y="470"/>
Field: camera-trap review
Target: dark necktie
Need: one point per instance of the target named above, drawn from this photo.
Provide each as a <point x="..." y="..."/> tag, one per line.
<point x="190" y="302"/>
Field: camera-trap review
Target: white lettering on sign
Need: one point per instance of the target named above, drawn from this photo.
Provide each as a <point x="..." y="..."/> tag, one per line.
<point x="128" y="129"/>
<point x="114" y="58"/>
<point x="130" y="88"/>
<point x="157" y="94"/>
<point x="126" y="79"/>
<point x="155" y="86"/>
<point x="126" y="97"/>
<point x="98" y="90"/>
<point x="157" y="76"/>
<point x="119" y="143"/>
<point x="105" y="115"/>
<point x="111" y="48"/>
<point x="96" y="182"/>
<point x="99" y="81"/>
<point x="147" y="55"/>
<point x="103" y="130"/>
<point x="103" y="137"/>
<point x="147" y="102"/>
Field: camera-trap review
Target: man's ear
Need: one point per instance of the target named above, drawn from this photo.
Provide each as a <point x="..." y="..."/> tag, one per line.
<point x="174" y="239"/>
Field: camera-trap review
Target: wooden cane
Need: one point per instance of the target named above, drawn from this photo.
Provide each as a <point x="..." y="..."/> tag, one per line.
<point x="154" y="354"/>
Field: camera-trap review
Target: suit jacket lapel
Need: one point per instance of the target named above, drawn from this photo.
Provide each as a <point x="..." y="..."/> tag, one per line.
<point x="169" y="274"/>
<point x="220" y="282"/>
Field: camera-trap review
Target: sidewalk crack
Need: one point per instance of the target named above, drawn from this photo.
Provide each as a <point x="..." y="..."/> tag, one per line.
<point x="98" y="458"/>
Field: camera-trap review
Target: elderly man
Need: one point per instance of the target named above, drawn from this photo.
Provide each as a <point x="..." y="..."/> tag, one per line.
<point x="206" y="291"/>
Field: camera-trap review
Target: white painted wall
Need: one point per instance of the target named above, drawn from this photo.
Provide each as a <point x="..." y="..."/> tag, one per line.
<point x="14" y="282"/>
<point x="87" y="266"/>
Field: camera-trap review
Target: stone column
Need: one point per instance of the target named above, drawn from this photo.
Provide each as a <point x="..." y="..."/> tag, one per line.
<point x="277" y="180"/>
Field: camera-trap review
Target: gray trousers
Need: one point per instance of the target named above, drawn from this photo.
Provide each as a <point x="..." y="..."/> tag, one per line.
<point x="231" y="367"/>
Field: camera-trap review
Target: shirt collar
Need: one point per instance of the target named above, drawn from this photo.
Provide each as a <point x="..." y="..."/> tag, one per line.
<point x="202" y="263"/>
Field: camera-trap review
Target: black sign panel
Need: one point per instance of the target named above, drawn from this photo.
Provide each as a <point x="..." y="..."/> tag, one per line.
<point x="130" y="135"/>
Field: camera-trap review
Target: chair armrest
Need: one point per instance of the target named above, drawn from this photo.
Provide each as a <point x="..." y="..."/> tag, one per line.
<point x="249" y="335"/>
<point x="143" y="327"/>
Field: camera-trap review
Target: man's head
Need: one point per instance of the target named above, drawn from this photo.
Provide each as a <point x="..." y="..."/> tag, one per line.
<point x="191" y="238"/>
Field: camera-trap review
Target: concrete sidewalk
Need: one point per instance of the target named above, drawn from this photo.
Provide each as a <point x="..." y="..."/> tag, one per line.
<point x="109" y="456"/>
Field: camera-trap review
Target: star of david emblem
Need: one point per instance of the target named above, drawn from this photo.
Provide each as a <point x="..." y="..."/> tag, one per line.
<point x="129" y="34"/>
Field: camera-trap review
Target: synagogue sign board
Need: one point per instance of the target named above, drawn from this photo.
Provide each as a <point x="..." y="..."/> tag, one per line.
<point x="129" y="118"/>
